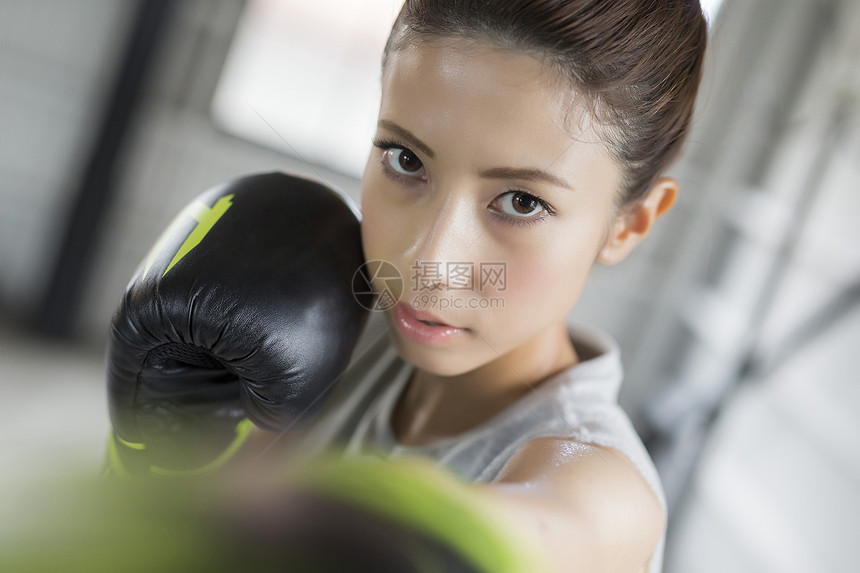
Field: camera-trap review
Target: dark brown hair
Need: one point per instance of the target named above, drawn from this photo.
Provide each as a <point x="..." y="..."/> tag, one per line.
<point x="638" y="63"/>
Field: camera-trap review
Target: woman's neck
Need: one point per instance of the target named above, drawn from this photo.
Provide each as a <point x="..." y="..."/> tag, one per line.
<point x="433" y="407"/>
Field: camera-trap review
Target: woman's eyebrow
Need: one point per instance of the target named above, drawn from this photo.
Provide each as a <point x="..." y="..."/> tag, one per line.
<point x="526" y="174"/>
<point x="408" y="136"/>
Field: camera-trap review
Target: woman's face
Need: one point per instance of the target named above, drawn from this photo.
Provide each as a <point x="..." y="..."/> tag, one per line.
<point x="474" y="169"/>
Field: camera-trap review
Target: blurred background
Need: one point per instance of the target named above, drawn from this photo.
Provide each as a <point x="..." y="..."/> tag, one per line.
<point x="738" y="318"/>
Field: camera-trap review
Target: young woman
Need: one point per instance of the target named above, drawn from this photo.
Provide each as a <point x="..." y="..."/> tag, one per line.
<point x="520" y="142"/>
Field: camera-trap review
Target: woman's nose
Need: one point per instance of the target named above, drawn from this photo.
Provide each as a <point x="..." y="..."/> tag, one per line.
<point x="443" y="240"/>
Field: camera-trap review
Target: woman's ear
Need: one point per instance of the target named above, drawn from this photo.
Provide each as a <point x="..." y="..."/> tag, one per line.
<point x="630" y="228"/>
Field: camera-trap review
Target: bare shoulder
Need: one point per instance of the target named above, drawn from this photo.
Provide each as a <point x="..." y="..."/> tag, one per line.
<point x="601" y="485"/>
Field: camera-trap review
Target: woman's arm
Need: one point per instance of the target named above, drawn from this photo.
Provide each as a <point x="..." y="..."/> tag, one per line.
<point x="586" y="506"/>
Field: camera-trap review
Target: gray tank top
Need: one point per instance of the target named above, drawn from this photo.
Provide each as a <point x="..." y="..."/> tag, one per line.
<point x="580" y="403"/>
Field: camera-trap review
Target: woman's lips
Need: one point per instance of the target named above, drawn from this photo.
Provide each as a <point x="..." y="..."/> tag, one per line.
<point x="422" y="326"/>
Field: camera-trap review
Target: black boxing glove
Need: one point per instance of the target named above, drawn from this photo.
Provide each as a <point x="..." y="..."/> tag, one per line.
<point x="242" y="313"/>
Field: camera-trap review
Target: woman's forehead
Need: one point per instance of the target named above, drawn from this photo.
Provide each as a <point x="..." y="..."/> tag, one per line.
<point x="472" y="92"/>
<point x="471" y="62"/>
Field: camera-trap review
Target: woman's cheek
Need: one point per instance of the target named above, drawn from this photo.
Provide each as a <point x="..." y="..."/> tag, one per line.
<point x="384" y="232"/>
<point x="545" y="288"/>
<point x="368" y="243"/>
<point x="372" y="222"/>
<point x="528" y="286"/>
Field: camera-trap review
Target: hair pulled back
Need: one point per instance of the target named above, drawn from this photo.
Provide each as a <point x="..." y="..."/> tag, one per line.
<point x="636" y="63"/>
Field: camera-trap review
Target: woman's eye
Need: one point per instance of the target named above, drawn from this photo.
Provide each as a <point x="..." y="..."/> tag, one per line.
<point x="404" y="162"/>
<point x="520" y="204"/>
